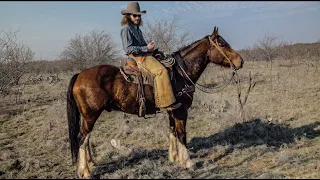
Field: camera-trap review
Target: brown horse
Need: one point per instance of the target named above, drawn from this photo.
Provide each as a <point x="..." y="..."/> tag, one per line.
<point x="104" y="88"/>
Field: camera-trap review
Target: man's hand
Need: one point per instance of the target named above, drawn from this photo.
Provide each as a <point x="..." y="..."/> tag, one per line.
<point x="158" y="54"/>
<point x="150" y="46"/>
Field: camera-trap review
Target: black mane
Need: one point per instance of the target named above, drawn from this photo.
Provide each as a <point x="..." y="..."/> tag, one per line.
<point x="188" y="46"/>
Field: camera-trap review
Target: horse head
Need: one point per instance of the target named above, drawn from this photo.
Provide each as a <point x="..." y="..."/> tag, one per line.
<point x="220" y="52"/>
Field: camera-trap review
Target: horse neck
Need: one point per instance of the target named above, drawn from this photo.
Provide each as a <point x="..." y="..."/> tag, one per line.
<point x="195" y="58"/>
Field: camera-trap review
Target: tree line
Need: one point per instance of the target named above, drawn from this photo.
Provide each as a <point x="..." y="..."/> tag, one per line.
<point x="97" y="47"/>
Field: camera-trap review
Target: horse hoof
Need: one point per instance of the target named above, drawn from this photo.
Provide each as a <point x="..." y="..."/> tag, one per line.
<point x="83" y="176"/>
<point x="189" y="164"/>
<point x="91" y="165"/>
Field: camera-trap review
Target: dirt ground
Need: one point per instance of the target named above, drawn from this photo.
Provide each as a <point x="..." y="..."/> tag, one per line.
<point x="280" y="137"/>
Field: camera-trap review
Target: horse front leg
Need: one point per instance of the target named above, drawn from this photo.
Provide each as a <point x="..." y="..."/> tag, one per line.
<point x="173" y="149"/>
<point x="178" y="138"/>
<point x="183" y="155"/>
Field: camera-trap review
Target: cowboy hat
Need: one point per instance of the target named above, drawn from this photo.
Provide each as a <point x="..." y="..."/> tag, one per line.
<point x="133" y="8"/>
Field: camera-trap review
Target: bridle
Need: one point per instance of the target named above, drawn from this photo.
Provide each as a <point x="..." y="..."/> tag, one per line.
<point x="212" y="89"/>
<point x="216" y="45"/>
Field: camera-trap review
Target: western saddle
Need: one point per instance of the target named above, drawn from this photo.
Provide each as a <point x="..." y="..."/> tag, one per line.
<point x="134" y="74"/>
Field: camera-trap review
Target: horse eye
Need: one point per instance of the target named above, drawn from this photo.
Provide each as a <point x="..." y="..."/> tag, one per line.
<point x="221" y="42"/>
<point x="222" y="45"/>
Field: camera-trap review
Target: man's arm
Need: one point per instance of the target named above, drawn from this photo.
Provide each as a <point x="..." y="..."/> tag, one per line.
<point x="127" y="43"/>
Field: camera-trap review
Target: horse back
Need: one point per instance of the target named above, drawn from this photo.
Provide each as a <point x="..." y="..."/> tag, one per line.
<point x="103" y="86"/>
<point x="95" y="76"/>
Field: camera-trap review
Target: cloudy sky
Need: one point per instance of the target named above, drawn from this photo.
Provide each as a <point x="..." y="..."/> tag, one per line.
<point x="47" y="26"/>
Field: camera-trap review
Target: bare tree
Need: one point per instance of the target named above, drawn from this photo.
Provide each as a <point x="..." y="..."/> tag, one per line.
<point x="168" y="34"/>
<point x="243" y="101"/>
<point x="92" y="49"/>
<point x="267" y="47"/>
<point x="246" y="53"/>
<point x="13" y="59"/>
<point x="286" y="50"/>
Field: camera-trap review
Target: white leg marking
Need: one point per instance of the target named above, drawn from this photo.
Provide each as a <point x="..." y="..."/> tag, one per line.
<point x="172" y="148"/>
<point x="82" y="165"/>
<point x="184" y="157"/>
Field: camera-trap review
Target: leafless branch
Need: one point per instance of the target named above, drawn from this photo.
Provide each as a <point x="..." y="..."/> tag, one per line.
<point x="94" y="48"/>
<point x="242" y="102"/>
<point x="168" y="34"/>
<point x="13" y="59"/>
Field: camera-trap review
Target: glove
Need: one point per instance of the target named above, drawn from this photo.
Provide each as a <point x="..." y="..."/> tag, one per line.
<point x="158" y="54"/>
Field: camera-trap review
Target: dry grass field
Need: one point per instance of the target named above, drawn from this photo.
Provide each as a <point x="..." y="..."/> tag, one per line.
<point x="280" y="137"/>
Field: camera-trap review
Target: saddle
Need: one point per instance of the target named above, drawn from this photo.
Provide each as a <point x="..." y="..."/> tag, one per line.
<point x="132" y="73"/>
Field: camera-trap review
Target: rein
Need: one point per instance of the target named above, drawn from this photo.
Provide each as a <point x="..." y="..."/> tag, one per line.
<point x="202" y="87"/>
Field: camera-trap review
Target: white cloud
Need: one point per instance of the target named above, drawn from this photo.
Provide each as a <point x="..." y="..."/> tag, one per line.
<point x="214" y="9"/>
<point x="221" y="9"/>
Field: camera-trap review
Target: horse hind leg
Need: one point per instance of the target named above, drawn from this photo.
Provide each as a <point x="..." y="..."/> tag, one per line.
<point x="83" y="170"/>
<point x="89" y="153"/>
<point x="85" y="162"/>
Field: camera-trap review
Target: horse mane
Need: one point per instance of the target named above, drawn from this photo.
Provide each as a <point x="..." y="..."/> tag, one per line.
<point x="190" y="46"/>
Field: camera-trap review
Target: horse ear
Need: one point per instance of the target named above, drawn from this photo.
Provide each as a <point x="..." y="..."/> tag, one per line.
<point x="215" y="31"/>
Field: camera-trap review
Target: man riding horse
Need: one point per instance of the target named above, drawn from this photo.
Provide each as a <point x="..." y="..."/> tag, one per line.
<point x="103" y="87"/>
<point x="140" y="53"/>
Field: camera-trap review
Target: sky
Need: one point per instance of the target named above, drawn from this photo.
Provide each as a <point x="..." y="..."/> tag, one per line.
<point x="47" y="26"/>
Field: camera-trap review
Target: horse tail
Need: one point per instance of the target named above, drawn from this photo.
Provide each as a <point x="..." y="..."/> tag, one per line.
<point x="73" y="120"/>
